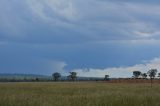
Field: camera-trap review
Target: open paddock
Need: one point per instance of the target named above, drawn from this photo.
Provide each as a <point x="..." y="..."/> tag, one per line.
<point x="79" y="94"/>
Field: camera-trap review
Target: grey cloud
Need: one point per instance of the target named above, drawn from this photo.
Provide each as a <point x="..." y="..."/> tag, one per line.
<point x="52" y="21"/>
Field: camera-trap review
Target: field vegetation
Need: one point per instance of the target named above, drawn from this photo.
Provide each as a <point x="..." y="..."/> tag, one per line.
<point x="79" y="94"/>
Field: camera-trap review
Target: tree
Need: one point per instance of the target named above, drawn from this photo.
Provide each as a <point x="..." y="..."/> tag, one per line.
<point x="56" y="76"/>
<point x="73" y="76"/>
<point x="136" y="74"/>
<point x="106" y="77"/>
<point x="159" y="75"/>
<point x="152" y="73"/>
<point x="37" y="79"/>
<point x="144" y="75"/>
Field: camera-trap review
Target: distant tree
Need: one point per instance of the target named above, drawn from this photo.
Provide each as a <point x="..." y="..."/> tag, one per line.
<point x="73" y="76"/>
<point x="106" y="78"/>
<point x="152" y="73"/>
<point x="158" y="75"/>
<point x="144" y="75"/>
<point x="56" y="76"/>
<point x="136" y="74"/>
<point x="37" y="79"/>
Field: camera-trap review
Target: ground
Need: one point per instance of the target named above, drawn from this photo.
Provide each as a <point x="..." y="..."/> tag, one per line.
<point x="79" y="94"/>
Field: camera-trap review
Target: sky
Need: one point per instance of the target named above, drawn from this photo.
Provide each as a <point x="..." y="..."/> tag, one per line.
<point x="90" y="37"/>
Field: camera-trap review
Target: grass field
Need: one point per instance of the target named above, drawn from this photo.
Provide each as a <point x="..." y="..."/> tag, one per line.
<point x="79" y="94"/>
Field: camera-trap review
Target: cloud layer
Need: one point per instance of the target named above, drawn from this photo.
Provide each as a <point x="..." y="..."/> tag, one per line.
<point x="120" y="72"/>
<point x="53" y="21"/>
<point x="42" y="36"/>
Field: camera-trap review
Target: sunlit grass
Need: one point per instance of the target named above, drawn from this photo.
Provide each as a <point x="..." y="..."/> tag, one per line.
<point x="79" y="94"/>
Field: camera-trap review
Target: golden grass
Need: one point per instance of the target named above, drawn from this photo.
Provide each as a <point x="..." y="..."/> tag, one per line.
<point x="79" y="94"/>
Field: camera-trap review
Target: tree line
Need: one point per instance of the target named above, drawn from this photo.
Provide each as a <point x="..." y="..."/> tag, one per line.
<point x="73" y="76"/>
<point x="151" y="74"/>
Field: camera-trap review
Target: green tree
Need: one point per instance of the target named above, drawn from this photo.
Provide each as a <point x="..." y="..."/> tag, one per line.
<point x="152" y="73"/>
<point x="144" y="75"/>
<point x="73" y="76"/>
<point x="136" y="74"/>
<point x="158" y="75"/>
<point x="56" y="76"/>
<point x="106" y="78"/>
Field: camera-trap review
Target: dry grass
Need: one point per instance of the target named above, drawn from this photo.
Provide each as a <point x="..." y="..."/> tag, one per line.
<point x="79" y="94"/>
